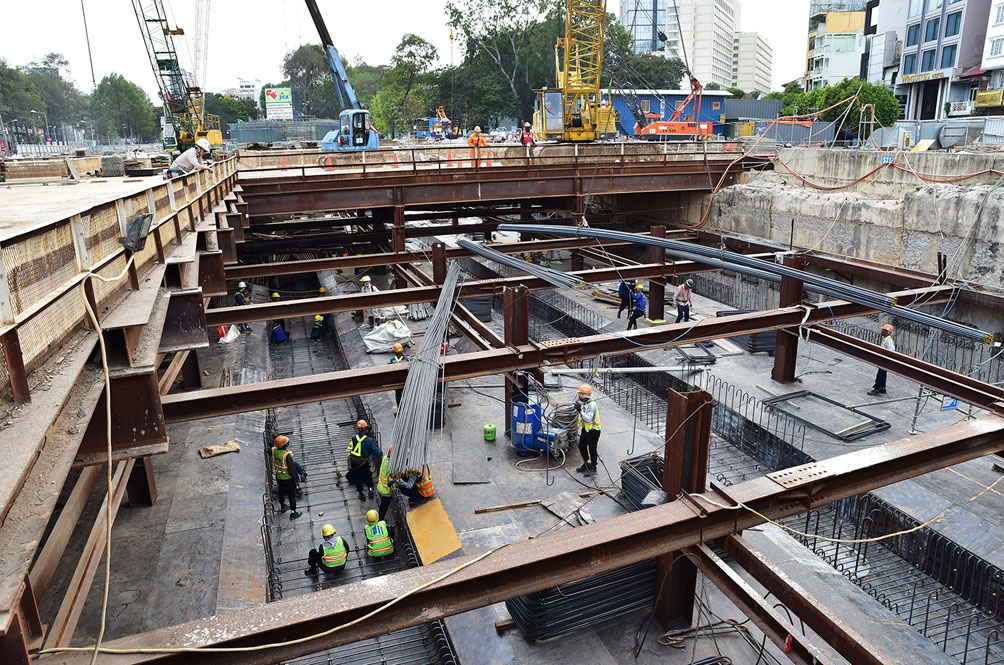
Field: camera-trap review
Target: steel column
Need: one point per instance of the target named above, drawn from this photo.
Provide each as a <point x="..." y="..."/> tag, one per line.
<point x="786" y="347"/>
<point x="15" y="367"/>
<point x="438" y="263"/>
<point x="656" y="289"/>
<point x="516" y="315"/>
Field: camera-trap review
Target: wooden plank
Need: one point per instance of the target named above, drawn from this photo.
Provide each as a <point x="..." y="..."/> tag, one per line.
<point x="508" y="506"/>
<point x="171" y="373"/>
<point x="65" y="623"/>
<point x="432" y="531"/>
<point x="45" y="565"/>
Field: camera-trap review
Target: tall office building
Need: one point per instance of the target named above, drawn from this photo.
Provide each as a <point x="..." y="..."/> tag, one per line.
<point x="705" y="30"/>
<point x="751" y="62"/>
<point x="643" y="19"/>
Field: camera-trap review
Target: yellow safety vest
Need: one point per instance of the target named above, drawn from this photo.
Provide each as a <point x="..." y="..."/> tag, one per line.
<point x="591" y="422"/>
<point x="279" y="456"/>
<point x="334" y="553"/>
<point x="378" y="542"/>
<point x="383" y="480"/>
<point x="356" y="449"/>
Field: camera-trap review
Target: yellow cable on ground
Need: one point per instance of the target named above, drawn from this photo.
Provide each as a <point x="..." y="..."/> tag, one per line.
<point x="273" y="645"/>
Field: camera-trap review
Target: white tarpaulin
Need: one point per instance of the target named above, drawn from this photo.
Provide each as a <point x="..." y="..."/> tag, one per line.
<point x="383" y="338"/>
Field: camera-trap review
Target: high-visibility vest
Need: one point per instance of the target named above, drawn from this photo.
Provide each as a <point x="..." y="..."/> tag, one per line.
<point x="356" y="449"/>
<point x="684" y="297"/>
<point x="592" y="419"/>
<point x="888" y="344"/>
<point x="279" y="456"/>
<point x="383" y="480"/>
<point x="378" y="542"/>
<point x="397" y="359"/>
<point x="334" y="553"/>
<point x="424" y="484"/>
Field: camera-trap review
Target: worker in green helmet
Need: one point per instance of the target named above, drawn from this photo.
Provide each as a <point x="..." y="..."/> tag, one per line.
<point x="330" y="555"/>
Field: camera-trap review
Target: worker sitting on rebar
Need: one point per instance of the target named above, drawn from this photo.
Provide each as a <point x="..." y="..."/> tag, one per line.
<point x="330" y="555"/>
<point x="378" y="540"/>
<point x="360" y="450"/>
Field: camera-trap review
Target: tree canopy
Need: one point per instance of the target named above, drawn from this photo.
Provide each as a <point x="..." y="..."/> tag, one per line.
<point x="120" y="108"/>
<point x="230" y="109"/>
<point x="795" y="101"/>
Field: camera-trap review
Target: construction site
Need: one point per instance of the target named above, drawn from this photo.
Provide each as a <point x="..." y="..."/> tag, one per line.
<point x="689" y="400"/>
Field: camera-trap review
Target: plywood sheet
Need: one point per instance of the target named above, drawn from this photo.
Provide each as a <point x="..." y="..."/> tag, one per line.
<point x="432" y="531"/>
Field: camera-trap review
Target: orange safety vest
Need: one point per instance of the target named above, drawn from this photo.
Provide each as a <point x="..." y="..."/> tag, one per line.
<point x="424" y="485"/>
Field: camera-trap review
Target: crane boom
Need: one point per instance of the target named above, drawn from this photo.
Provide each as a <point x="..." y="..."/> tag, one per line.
<point x="346" y="95"/>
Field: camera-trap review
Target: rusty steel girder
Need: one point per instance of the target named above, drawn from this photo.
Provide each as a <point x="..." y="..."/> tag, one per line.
<point x="333" y="385"/>
<point x="547" y="561"/>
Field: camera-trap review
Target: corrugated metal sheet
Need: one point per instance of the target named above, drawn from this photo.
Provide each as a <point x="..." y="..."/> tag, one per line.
<point x="993" y="129"/>
<point x="665" y="105"/>
<point x="758" y="109"/>
<point x="819" y="132"/>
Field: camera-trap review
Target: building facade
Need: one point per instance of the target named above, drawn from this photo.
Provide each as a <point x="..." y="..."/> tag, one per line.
<point x="944" y="42"/>
<point x="885" y="25"/>
<point x="706" y="30"/>
<point x="988" y="99"/>
<point x="643" y="19"/>
<point x="836" y="43"/>
<point x="752" y="58"/>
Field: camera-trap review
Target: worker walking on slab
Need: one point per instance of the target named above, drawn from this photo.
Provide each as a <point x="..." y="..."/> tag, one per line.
<point x="318" y="330"/>
<point x="639" y="307"/>
<point x="190" y="160"/>
<point x="681" y="298"/>
<point x="378" y="540"/>
<point x="285" y="466"/>
<point x="330" y="555"/>
<point x="243" y="297"/>
<point x="889" y="345"/>
<point x="398" y="357"/>
<point x="625" y="289"/>
<point x="589" y="426"/>
<point x="361" y="448"/>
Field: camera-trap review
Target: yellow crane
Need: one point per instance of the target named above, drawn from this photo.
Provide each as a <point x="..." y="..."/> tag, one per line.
<point x="573" y="111"/>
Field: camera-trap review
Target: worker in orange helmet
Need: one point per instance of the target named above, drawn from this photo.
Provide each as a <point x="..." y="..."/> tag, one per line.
<point x="362" y="447"/>
<point x="398" y="357"/>
<point x="285" y="466"/>
<point x="589" y="426"/>
<point x="889" y="345"/>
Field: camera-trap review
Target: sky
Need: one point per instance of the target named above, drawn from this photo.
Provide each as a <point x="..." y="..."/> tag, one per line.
<point x="248" y="38"/>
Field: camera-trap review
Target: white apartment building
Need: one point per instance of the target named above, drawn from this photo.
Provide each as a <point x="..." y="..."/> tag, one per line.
<point x="990" y="101"/>
<point x="752" y="58"/>
<point x="706" y="30"/>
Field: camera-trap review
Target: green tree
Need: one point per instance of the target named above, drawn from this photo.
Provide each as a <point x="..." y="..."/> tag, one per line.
<point x="19" y="97"/>
<point x="650" y="70"/>
<point x="64" y="103"/>
<point x="795" y="101"/>
<point x="406" y="90"/>
<point x="712" y="86"/>
<point x="120" y="108"/>
<point x="230" y="109"/>
<point x="306" y="68"/>
<point x="737" y="93"/>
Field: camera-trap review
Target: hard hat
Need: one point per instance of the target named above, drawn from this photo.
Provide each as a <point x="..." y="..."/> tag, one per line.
<point x="318" y="317"/>
<point x="364" y="278"/>
<point x="241" y="285"/>
<point x="372" y="517"/>
<point x="398" y="348"/>
<point x="586" y="389"/>
<point x="204" y="144"/>
<point x="362" y="424"/>
<point x="690" y="282"/>
<point x="322" y="290"/>
<point x="477" y="128"/>
<point x="275" y="295"/>
<point x="526" y="124"/>
<point x="327" y="530"/>
<point x="638" y="286"/>
<point x="281" y="440"/>
<point x="888" y="327"/>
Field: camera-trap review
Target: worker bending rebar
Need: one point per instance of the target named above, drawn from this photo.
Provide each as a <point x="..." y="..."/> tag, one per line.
<point x="589" y="426"/>
<point x="361" y="448"/>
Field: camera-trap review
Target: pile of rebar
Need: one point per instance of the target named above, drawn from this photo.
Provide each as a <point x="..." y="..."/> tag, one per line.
<point x="549" y="275"/>
<point x="415" y="408"/>
<point x="759" y="268"/>
<point x="418" y="311"/>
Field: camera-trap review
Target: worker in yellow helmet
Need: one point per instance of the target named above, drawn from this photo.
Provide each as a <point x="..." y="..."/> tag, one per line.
<point x="378" y="540"/>
<point x="398" y="357"/>
<point x="319" y="329"/>
<point x="360" y="449"/>
<point x="589" y="425"/>
<point x="285" y="466"/>
<point x="322" y="290"/>
<point x="888" y="344"/>
<point x="330" y="555"/>
<point x="279" y="330"/>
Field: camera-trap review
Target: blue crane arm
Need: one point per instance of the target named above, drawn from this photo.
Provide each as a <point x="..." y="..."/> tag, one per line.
<point x="346" y="95"/>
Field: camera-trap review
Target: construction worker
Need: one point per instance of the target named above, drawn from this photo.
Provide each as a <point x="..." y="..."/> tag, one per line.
<point x="625" y="290"/>
<point x="889" y="345"/>
<point x="383" y="483"/>
<point x="285" y="466"/>
<point x="190" y="160"/>
<point x="424" y="484"/>
<point x="366" y="286"/>
<point x="407" y="486"/>
<point x="681" y="298"/>
<point x="398" y="357"/>
<point x="526" y="136"/>
<point x="638" y="307"/>
<point x="476" y="141"/>
<point x="330" y="555"/>
<point x="321" y="291"/>
<point x="589" y="426"/>
<point x="279" y="331"/>
<point x="243" y="297"/>
<point x="317" y="331"/>
<point x="378" y="540"/>
<point x="360" y="449"/>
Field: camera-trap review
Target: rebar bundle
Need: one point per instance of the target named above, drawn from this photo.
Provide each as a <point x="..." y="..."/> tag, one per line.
<point x="755" y="267"/>
<point x="549" y="275"/>
<point x="415" y="410"/>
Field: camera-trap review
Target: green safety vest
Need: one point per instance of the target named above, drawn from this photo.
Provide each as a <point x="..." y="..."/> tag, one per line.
<point x="383" y="480"/>
<point x="334" y="553"/>
<point x="279" y="456"/>
<point x="592" y="422"/>
<point x="378" y="542"/>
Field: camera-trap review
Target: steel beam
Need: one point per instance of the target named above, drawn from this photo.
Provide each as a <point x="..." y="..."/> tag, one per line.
<point x="942" y="380"/>
<point x="786" y="346"/>
<point x="428" y="293"/>
<point x="333" y="385"/>
<point x="550" y="560"/>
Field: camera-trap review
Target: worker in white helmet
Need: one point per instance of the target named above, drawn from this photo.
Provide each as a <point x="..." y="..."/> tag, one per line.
<point x="242" y="296"/>
<point x="366" y="286"/>
<point x="190" y="160"/>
